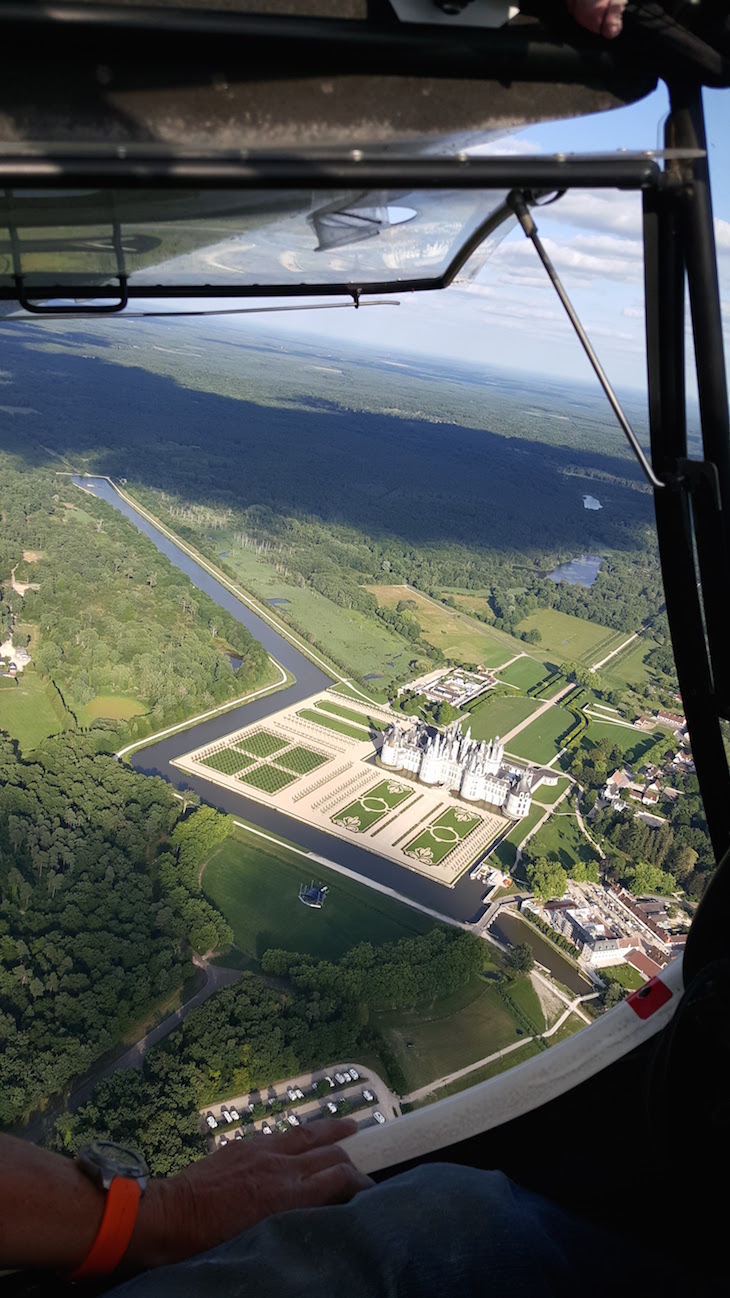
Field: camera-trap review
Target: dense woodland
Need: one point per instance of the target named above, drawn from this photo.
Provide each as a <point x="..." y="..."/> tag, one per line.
<point x="438" y="484"/>
<point x="254" y="1033"/>
<point x="112" y="615"/>
<point x="100" y="909"/>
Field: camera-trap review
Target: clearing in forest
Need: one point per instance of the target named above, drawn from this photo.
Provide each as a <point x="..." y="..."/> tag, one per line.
<point x="460" y="638"/>
<point x="568" y="637"/>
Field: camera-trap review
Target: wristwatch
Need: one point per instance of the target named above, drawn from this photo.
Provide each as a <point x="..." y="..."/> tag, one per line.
<point x="123" y="1173"/>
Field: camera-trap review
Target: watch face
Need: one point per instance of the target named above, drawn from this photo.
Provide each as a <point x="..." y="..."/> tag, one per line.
<point x="104" y="1159"/>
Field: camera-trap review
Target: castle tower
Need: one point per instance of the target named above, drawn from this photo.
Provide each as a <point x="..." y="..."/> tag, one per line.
<point x="519" y="798"/>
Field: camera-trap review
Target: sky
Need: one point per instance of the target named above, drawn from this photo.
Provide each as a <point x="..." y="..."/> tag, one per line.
<point x="509" y="316"/>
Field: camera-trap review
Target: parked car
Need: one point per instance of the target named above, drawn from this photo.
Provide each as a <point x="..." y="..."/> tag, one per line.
<point x="226" y="1113"/>
<point x="234" y="1114"/>
<point x="266" y="1128"/>
<point x="211" y="1121"/>
<point x="223" y="1140"/>
<point x="379" y="1117"/>
<point x="300" y="1094"/>
<point x="282" y="1126"/>
<point x="331" y="1106"/>
<point x="239" y="1134"/>
<point x="354" y="1074"/>
<point x="330" y="1083"/>
<point x="291" y="1092"/>
<point x="347" y="1076"/>
<point x="292" y="1119"/>
<point x="368" y="1095"/>
<point x="251" y="1107"/>
<point x="340" y="1079"/>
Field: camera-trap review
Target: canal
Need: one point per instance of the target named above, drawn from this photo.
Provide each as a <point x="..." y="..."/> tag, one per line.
<point x="513" y="930"/>
<point x="463" y="902"/>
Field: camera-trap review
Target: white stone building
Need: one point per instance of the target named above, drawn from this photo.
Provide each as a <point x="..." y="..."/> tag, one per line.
<point x="455" y="761"/>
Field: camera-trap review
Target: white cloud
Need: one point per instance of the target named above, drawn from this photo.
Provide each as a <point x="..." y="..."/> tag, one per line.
<point x="609" y="211"/>
<point x="583" y="259"/>
<point x="633" y="312"/>
<point x="722" y="235"/>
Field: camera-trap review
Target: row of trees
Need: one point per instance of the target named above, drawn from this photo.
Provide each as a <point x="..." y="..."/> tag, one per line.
<point x="93" y="928"/>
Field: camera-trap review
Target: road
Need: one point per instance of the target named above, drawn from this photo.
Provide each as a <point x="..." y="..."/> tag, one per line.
<point x="613" y="653"/>
<point x="215" y="978"/>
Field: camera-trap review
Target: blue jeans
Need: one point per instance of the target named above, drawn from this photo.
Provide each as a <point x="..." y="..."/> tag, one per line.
<point x="437" y="1231"/>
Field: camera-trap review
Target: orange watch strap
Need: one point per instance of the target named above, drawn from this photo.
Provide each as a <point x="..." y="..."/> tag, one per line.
<point x="115" y="1231"/>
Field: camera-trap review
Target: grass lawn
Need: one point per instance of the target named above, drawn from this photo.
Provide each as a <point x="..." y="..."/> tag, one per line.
<point x="561" y="838"/>
<point x="472" y="603"/>
<point x="302" y="760"/>
<point x="332" y="723"/>
<point x="364" y="643"/>
<point x="633" y="743"/>
<point x="461" y="639"/>
<point x="228" y="761"/>
<point x="628" y="667"/>
<point x="455" y="1031"/>
<point x="261" y="743"/>
<point x="501" y="1065"/>
<point x="349" y="714"/>
<point x="549" y="795"/>
<point x="499" y="716"/>
<point x="625" y="974"/>
<point x="571" y="1025"/>
<point x="442" y="835"/>
<point x="256" y="883"/>
<point x="115" y="706"/>
<point x="540" y="741"/>
<point x="566" y="636"/>
<point x="524" y="673"/>
<point x="268" y="778"/>
<point x="372" y="806"/>
<point x="25" y="711"/>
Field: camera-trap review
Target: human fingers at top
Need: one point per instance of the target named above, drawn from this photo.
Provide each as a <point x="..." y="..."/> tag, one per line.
<point x="325" y="1131"/>
<point x="604" y="17"/>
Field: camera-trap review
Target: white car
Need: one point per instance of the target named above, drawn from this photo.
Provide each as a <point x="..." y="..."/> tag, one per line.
<point x="211" y="1121"/>
<point x="239" y="1134"/>
<point x="354" y="1074"/>
<point x="292" y="1119"/>
<point x="348" y="1076"/>
<point x="368" y="1095"/>
<point x="331" y="1106"/>
<point x="379" y="1117"/>
<point x="235" y="1115"/>
<point x="291" y="1092"/>
<point x="266" y="1128"/>
<point x="223" y="1140"/>
<point x="330" y="1083"/>
<point x="340" y="1079"/>
<point x="251" y="1108"/>
<point x="226" y="1113"/>
<point x="300" y="1094"/>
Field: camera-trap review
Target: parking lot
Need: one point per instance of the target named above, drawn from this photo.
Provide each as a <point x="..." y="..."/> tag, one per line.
<point x="304" y="1099"/>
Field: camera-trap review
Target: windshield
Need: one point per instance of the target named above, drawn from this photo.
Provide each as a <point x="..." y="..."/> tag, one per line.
<point x="344" y="762"/>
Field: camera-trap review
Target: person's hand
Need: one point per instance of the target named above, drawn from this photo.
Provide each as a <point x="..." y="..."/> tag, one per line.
<point x="231" y="1190"/>
<point x="604" y="17"/>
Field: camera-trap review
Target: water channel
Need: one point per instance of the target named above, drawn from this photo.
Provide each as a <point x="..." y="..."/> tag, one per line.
<point x="463" y="902"/>
<point x="510" y="928"/>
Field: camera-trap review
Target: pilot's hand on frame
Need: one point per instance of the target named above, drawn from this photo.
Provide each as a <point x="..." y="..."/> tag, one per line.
<point x="603" y="17"/>
<point x="232" y="1189"/>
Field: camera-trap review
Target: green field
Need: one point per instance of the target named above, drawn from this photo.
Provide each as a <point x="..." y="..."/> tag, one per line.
<point x="364" y="643"/>
<point x="302" y="760"/>
<point x="625" y="974"/>
<point x="255" y="884"/>
<point x="114" y="706"/>
<point x="500" y="1065"/>
<point x="633" y="743"/>
<point x="499" y="716"/>
<point x="270" y="779"/>
<point x="442" y="835"/>
<point x="565" y="636"/>
<point x="456" y="1030"/>
<point x="561" y="839"/>
<point x="25" y="711"/>
<point x="549" y="795"/>
<point x="228" y="761"/>
<point x="372" y="806"/>
<point x="333" y="723"/>
<point x="540" y="741"/>
<point x="460" y="638"/>
<point x="504" y="855"/>
<point x="524" y="673"/>
<point x="628" y="666"/>
<point x="348" y="714"/>
<point x="261" y="743"/>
